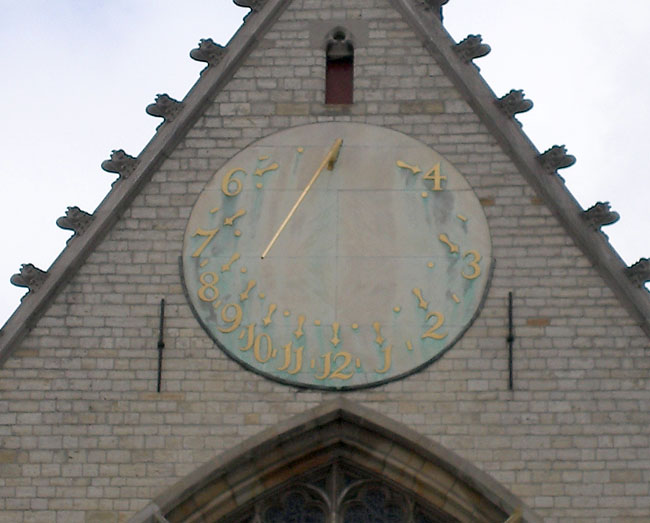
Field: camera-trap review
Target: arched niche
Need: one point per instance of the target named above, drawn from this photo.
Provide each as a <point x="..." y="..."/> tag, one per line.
<point x="339" y="67"/>
<point x="372" y="456"/>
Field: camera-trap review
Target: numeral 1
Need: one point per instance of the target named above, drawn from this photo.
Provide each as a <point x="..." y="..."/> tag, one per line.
<point x="287" y="359"/>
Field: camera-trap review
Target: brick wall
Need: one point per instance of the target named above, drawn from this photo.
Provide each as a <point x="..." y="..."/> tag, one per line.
<point x="85" y="437"/>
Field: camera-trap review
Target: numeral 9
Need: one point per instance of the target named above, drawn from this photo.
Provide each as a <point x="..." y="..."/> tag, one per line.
<point x="233" y="319"/>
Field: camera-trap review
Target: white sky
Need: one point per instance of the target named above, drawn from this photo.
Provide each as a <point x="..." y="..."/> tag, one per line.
<point x="77" y="76"/>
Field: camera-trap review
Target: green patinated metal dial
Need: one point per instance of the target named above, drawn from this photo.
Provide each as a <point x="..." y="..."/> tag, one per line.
<point x="337" y="256"/>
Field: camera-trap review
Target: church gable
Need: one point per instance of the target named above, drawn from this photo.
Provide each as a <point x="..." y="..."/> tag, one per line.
<point x="86" y="374"/>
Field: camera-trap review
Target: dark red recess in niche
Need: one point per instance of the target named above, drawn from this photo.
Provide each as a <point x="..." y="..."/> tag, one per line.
<point x="339" y="82"/>
<point x="339" y="76"/>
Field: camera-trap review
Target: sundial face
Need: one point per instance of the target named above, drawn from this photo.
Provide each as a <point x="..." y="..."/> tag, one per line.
<point x="336" y="256"/>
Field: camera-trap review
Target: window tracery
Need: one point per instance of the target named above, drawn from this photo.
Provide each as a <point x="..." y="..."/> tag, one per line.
<point x="339" y="493"/>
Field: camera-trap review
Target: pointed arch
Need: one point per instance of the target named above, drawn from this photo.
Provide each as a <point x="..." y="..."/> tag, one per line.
<point x="337" y="433"/>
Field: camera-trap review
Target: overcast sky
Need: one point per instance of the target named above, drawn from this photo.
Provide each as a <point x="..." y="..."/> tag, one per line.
<point x="78" y="74"/>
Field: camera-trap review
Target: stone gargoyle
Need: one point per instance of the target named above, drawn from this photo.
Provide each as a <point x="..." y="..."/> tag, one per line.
<point x="514" y="103"/>
<point x="120" y="163"/>
<point x="556" y="158"/>
<point x="164" y="107"/>
<point x="471" y="48"/>
<point x="600" y="215"/>
<point x="75" y="220"/>
<point x="208" y="52"/>
<point x="29" y="276"/>
<point x="639" y="273"/>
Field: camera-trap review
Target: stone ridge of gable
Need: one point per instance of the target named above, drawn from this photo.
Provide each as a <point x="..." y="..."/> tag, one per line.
<point x="465" y="77"/>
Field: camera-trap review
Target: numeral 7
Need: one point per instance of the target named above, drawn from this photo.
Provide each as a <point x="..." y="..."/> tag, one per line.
<point x="210" y="233"/>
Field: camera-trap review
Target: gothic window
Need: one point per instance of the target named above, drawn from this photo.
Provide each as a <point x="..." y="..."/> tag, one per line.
<point x="339" y="74"/>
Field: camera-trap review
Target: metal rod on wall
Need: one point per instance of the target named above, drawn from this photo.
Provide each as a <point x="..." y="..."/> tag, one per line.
<point x="161" y="341"/>
<point x="510" y="339"/>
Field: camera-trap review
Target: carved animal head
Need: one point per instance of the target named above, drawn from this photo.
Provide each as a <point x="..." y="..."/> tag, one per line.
<point x="120" y="163"/>
<point x="557" y="158"/>
<point x="29" y="276"/>
<point x="206" y="44"/>
<point x="119" y="156"/>
<point x="75" y="213"/>
<point x="30" y="272"/>
<point x="601" y="214"/>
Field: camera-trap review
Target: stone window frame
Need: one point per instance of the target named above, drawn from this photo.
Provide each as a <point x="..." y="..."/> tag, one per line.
<point x="338" y="431"/>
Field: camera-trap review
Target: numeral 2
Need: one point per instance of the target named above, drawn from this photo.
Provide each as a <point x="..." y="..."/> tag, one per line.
<point x="431" y="333"/>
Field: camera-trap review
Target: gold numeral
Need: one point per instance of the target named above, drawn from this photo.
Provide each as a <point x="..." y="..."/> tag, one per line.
<point x="337" y="373"/>
<point x="287" y="359"/>
<point x="233" y="319"/>
<point x="298" y="366"/>
<point x="250" y="330"/>
<point x="327" y="366"/>
<point x="257" y="347"/>
<point x="431" y="333"/>
<point x="473" y="264"/>
<point x="387" y="360"/>
<point x="434" y="174"/>
<point x="208" y="285"/>
<point x="210" y="233"/>
<point x="228" y="180"/>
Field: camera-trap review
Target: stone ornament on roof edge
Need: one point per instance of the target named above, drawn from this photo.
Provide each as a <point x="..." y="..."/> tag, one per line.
<point x="121" y="163"/>
<point x="471" y="48"/>
<point x="556" y="158"/>
<point x="164" y="107"/>
<point x="30" y="277"/>
<point x="600" y="215"/>
<point x="75" y="220"/>
<point x="514" y="102"/>
<point x="208" y="52"/>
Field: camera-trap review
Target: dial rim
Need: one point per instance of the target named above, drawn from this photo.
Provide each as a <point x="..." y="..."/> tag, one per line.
<point x="334" y="129"/>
